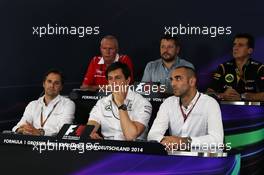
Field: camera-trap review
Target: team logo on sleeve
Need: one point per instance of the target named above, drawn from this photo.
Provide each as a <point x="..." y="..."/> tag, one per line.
<point x="148" y="109"/>
<point x="108" y="108"/>
<point x="216" y="76"/>
<point x="99" y="72"/>
<point x="229" y="78"/>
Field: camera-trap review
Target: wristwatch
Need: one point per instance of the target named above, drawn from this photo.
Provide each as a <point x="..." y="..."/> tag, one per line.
<point x="243" y="96"/>
<point x="189" y="140"/>
<point x="123" y="107"/>
<point x="219" y="96"/>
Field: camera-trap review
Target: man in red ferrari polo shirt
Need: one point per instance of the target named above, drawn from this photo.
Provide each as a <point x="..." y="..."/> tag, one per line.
<point x="95" y="74"/>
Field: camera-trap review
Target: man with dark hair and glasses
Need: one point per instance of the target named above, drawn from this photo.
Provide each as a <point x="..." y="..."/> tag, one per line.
<point x="49" y="113"/>
<point x="124" y="114"/>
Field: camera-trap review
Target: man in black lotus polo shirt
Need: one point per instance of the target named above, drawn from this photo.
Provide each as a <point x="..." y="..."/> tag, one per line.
<point x="241" y="78"/>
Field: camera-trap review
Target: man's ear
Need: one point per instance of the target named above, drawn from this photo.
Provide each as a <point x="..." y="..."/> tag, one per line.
<point x="250" y="50"/>
<point x="128" y="80"/>
<point x="193" y="81"/>
<point x="61" y="88"/>
<point x="178" y="49"/>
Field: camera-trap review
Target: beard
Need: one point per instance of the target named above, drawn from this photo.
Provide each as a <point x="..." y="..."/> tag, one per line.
<point x="180" y="92"/>
<point x="167" y="57"/>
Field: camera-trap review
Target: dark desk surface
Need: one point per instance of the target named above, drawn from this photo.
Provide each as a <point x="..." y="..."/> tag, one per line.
<point x="41" y="143"/>
<point x="245" y="103"/>
<point x="89" y="144"/>
<point x="19" y="158"/>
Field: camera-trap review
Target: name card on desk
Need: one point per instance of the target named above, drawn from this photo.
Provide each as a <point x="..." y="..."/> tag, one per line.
<point x="47" y="144"/>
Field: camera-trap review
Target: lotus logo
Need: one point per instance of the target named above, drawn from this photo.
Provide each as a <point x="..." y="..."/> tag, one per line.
<point x="229" y="78"/>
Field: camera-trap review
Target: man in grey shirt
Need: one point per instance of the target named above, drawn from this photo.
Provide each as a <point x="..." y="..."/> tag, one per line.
<point x="158" y="71"/>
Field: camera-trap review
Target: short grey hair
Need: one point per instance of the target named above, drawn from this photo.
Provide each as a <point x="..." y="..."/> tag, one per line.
<point x="110" y="37"/>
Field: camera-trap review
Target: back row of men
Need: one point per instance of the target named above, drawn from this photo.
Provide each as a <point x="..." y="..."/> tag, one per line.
<point x="241" y="78"/>
<point x="191" y="117"/>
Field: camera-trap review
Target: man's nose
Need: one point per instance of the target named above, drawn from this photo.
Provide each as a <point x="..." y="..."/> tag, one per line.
<point x="52" y="84"/>
<point x="113" y="81"/>
<point x="172" y="83"/>
<point x="165" y="49"/>
<point x="108" y="50"/>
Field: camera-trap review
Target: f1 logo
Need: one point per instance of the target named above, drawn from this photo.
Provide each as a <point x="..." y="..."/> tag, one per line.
<point x="70" y="129"/>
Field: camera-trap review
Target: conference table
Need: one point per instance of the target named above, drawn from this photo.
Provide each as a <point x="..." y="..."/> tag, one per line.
<point x="243" y="127"/>
<point x="51" y="155"/>
<point x="243" y="123"/>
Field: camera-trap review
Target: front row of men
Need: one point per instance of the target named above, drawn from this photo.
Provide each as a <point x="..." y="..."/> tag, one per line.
<point x="190" y="116"/>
